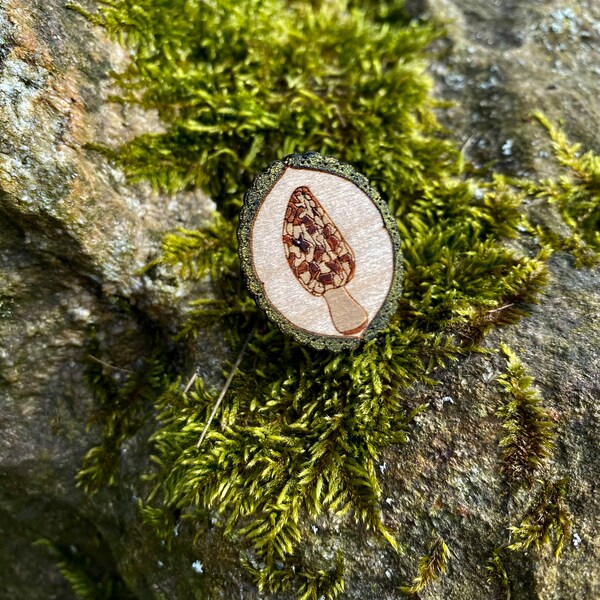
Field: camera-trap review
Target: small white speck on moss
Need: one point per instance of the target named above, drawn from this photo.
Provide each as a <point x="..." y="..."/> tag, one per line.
<point x="439" y="402"/>
<point x="197" y="566"/>
<point x="507" y="148"/>
<point x="80" y="314"/>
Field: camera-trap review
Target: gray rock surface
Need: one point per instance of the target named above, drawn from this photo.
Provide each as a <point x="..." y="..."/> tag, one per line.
<point x="503" y="60"/>
<point x="73" y="236"/>
<point x="72" y="239"/>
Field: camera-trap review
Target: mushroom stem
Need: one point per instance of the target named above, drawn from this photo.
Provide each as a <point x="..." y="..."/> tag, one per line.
<point x="347" y="315"/>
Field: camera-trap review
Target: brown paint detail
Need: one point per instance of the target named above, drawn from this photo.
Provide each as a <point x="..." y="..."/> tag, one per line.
<point x="313" y="243"/>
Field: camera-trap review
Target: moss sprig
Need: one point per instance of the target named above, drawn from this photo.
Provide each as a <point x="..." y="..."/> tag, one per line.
<point x="81" y="572"/>
<point x="431" y="566"/>
<point x="194" y="254"/>
<point x="122" y="406"/>
<point x="576" y="195"/>
<point x="547" y="519"/>
<point x="530" y="432"/>
<point x="497" y="572"/>
<point x="318" y="583"/>
<point x="311" y="583"/>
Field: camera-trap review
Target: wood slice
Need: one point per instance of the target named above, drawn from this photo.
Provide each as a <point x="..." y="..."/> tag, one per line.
<point x="320" y="251"/>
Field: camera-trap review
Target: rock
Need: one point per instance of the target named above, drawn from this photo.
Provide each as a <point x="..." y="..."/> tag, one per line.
<point x="504" y="60"/>
<point x="73" y="237"/>
<point x="71" y="203"/>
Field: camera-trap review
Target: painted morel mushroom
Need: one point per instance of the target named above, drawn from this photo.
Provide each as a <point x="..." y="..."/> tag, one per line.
<point x="321" y="259"/>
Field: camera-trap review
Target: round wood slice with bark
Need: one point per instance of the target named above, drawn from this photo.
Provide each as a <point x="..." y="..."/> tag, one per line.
<point x="320" y="251"/>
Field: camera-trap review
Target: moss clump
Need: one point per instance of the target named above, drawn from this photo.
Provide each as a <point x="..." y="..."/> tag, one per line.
<point x="526" y="447"/>
<point x="431" y="566"/>
<point x="529" y="438"/>
<point x="123" y="399"/>
<point x="576" y="195"/>
<point x="237" y="85"/>
<point x="546" y="521"/>
<point x="83" y="573"/>
<point x="240" y="84"/>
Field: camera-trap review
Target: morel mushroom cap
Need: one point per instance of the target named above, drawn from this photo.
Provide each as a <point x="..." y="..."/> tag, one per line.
<point x="316" y="251"/>
<point x="321" y="259"/>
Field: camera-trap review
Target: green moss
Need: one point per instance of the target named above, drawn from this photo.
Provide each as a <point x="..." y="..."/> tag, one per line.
<point x="576" y="195"/>
<point x="82" y="573"/>
<point x="526" y="448"/>
<point x="431" y="566"/>
<point x="123" y="398"/>
<point x="529" y="438"/>
<point x="312" y="583"/>
<point x="497" y="572"/>
<point x="237" y="85"/>
<point x="291" y="442"/>
<point x="7" y="302"/>
<point x="547" y="519"/>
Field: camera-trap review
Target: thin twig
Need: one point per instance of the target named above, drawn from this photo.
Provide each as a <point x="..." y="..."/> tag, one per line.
<point x="501" y="308"/>
<point x="467" y="144"/>
<point x="104" y="363"/>
<point x="190" y="383"/>
<point x="226" y="387"/>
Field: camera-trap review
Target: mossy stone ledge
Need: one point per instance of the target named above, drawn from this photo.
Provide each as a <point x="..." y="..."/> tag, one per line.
<point x="454" y="454"/>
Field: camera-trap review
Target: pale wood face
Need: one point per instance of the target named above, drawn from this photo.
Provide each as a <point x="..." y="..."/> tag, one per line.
<point x="322" y="252"/>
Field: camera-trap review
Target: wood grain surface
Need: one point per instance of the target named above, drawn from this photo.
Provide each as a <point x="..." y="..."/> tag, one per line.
<point x="322" y="253"/>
